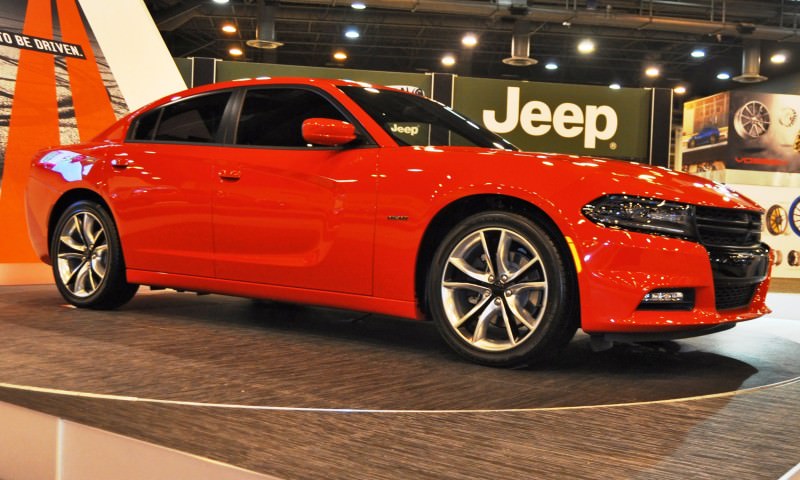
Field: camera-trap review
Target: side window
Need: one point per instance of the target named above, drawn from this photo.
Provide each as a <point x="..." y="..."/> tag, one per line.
<point x="194" y="120"/>
<point x="146" y="125"/>
<point x="274" y="117"/>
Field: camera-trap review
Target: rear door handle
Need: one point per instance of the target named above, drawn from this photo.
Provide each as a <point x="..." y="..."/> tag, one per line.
<point x="230" y="175"/>
<point x="121" y="163"/>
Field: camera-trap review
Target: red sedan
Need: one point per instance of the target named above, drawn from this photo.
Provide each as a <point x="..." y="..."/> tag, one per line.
<point x="362" y="197"/>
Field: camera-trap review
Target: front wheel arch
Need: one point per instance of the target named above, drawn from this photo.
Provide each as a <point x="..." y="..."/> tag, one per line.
<point x="449" y="216"/>
<point x="500" y="291"/>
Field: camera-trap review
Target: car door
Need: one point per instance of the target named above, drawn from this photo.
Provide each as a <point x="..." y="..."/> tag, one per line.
<point x="288" y="213"/>
<point x="162" y="183"/>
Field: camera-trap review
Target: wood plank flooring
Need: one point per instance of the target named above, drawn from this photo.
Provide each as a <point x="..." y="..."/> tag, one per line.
<point x="431" y="415"/>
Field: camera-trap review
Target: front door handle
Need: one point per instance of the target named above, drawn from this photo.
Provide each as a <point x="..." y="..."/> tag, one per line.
<point x="230" y="175"/>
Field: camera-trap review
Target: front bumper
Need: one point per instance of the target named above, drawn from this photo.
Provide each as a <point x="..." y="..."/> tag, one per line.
<point x="618" y="268"/>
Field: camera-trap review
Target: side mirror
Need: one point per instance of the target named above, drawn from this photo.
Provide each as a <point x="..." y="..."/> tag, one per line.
<point x="329" y="132"/>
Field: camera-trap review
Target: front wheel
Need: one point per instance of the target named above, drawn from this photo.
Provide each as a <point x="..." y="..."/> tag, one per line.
<point x="500" y="292"/>
<point x="88" y="266"/>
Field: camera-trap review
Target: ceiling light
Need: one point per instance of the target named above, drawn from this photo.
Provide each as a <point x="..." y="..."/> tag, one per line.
<point x="469" y="40"/>
<point x="586" y="46"/>
<point x="680" y="89"/>
<point x="698" y="53"/>
<point x="236" y="51"/>
<point x="448" y="60"/>
<point x="723" y="76"/>
<point x="220" y="1"/>
<point x="551" y="66"/>
<point x="614" y="86"/>
<point x="352" y="33"/>
<point x="229" y="28"/>
<point x="652" y="72"/>
<point x="340" y="55"/>
<point x="358" y="5"/>
<point x="778" y="58"/>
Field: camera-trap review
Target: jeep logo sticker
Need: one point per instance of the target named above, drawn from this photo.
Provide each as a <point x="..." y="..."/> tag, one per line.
<point x="568" y="120"/>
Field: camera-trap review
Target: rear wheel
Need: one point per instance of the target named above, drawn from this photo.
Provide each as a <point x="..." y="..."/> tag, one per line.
<point x="88" y="266"/>
<point x="500" y="292"/>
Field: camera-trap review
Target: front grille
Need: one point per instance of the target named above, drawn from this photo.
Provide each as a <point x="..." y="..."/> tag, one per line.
<point x="734" y="296"/>
<point x="738" y="260"/>
<point x="726" y="227"/>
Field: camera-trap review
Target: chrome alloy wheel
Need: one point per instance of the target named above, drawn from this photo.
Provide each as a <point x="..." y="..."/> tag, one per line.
<point x="494" y="289"/>
<point x="82" y="254"/>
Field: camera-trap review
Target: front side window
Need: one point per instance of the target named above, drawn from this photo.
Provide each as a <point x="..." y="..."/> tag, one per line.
<point x="273" y="117"/>
<point x="194" y="120"/>
<point x="418" y="121"/>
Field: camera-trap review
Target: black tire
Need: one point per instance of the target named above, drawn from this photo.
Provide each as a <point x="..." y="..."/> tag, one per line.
<point x="692" y="143"/>
<point x="523" y="316"/>
<point x="713" y="139"/>
<point x="793" y="259"/>
<point x="88" y="265"/>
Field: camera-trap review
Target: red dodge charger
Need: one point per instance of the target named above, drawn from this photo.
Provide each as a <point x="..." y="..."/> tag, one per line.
<point x="357" y="196"/>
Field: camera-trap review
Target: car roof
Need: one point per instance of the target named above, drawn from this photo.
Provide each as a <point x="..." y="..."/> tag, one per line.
<point x="248" y="82"/>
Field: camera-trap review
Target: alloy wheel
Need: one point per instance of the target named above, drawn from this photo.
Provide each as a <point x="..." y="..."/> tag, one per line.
<point x="82" y="254"/>
<point x="494" y="289"/>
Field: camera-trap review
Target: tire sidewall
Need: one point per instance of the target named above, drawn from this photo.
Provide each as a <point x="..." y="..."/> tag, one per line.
<point x="542" y="343"/>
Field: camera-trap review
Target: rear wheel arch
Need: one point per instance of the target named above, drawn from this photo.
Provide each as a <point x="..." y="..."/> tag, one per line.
<point x="452" y="214"/>
<point x="66" y="200"/>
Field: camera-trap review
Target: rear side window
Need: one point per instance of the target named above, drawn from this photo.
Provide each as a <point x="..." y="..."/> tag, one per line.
<point x="274" y="117"/>
<point x="195" y="120"/>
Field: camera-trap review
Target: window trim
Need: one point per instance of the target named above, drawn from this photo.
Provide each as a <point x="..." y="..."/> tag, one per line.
<point x="230" y="140"/>
<point x="219" y="137"/>
<point x="229" y="123"/>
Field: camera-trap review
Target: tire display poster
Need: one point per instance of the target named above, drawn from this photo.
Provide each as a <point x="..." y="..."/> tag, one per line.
<point x="751" y="141"/>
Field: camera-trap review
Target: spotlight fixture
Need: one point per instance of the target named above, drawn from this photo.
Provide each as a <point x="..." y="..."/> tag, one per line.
<point x="652" y="72"/>
<point x="236" y="51"/>
<point x="469" y="40"/>
<point x="340" y="55"/>
<point x="358" y="5"/>
<point x="448" y="60"/>
<point x="221" y="1"/>
<point x="680" y="90"/>
<point x="778" y="58"/>
<point x="352" y="33"/>
<point x="615" y="86"/>
<point x="723" y="76"/>
<point x="551" y="66"/>
<point x="229" y="28"/>
<point x="586" y="46"/>
<point x="698" y="53"/>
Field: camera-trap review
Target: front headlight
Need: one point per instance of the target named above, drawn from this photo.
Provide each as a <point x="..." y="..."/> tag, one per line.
<point x="641" y="214"/>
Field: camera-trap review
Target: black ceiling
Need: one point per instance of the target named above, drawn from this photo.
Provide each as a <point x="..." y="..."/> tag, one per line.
<point x="413" y="35"/>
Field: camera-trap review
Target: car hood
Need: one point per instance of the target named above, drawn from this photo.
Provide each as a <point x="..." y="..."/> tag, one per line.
<point x="602" y="176"/>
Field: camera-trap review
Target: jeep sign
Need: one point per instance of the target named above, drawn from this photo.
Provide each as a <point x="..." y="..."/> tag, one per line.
<point x="568" y="120"/>
<point x="576" y="119"/>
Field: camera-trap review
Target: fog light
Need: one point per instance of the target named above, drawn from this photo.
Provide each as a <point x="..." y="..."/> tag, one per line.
<point x="663" y="297"/>
<point x="668" y="299"/>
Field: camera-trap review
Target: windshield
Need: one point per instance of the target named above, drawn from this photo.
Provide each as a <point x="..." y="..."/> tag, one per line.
<point x="417" y="121"/>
